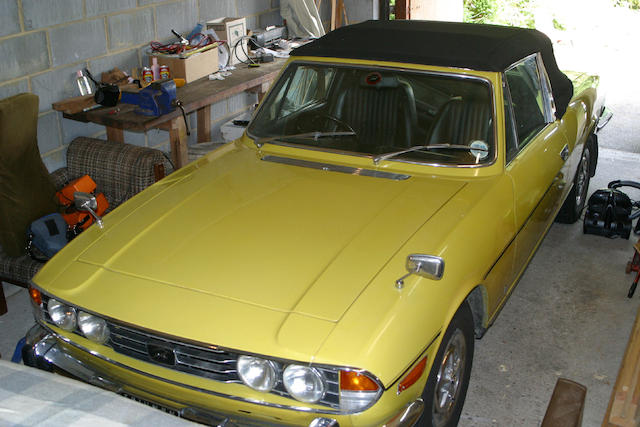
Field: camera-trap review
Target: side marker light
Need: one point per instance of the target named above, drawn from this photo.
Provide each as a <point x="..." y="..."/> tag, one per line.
<point x="412" y="377"/>
<point x="36" y="296"/>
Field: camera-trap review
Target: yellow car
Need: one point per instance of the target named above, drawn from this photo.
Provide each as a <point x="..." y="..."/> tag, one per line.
<point x="334" y="265"/>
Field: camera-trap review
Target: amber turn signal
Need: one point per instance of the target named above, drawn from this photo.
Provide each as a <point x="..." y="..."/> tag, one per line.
<point x="354" y="381"/>
<point x="36" y="296"/>
<point x="412" y="376"/>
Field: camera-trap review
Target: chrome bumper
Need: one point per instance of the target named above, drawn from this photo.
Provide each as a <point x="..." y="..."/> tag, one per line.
<point x="41" y="350"/>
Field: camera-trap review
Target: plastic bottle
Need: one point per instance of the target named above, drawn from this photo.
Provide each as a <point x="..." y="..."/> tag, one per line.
<point x="83" y="84"/>
<point x="193" y="40"/>
<point x="155" y="68"/>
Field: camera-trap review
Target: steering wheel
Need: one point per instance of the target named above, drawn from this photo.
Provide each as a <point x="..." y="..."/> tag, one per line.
<point x="318" y="117"/>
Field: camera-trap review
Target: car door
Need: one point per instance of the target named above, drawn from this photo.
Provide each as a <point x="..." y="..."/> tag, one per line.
<point x="537" y="150"/>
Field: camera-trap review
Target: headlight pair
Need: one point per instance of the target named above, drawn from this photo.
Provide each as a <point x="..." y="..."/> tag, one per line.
<point x="68" y="318"/>
<point x="301" y="382"/>
<point x="357" y="390"/>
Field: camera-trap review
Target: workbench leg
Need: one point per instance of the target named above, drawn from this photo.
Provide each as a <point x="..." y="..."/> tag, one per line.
<point x="204" y="124"/>
<point x="178" y="138"/>
<point x="115" y="134"/>
<point x="3" y="301"/>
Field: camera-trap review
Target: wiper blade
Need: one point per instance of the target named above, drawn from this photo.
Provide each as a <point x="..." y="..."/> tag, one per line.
<point x="312" y="135"/>
<point x="392" y="154"/>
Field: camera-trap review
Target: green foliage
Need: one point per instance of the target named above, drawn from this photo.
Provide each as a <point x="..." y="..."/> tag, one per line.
<point x="557" y="25"/>
<point x="517" y="13"/>
<point x="479" y="11"/>
<point x="631" y="4"/>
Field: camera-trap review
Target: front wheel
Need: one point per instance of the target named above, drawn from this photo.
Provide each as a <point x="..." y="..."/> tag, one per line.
<point x="448" y="380"/>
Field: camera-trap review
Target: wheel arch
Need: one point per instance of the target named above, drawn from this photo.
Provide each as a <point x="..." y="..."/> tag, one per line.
<point x="477" y="300"/>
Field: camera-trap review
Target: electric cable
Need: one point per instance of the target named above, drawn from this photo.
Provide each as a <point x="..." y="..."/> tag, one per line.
<point x="246" y="54"/>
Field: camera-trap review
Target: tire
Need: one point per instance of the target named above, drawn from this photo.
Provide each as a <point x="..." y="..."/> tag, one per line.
<point x="448" y="380"/>
<point x="576" y="200"/>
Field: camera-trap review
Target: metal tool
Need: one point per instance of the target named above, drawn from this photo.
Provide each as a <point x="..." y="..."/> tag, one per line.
<point x="156" y="99"/>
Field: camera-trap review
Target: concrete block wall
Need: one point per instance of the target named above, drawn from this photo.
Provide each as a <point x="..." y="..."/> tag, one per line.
<point x="44" y="42"/>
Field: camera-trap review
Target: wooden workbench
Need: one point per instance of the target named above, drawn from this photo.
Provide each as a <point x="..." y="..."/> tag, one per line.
<point x="196" y="96"/>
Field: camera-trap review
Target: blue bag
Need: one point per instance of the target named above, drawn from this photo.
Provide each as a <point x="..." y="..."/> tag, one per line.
<point x="46" y="236"/>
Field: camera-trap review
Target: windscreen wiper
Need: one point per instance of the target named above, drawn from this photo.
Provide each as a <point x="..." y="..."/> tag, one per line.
<point x="307" y="135"/>
<point x="392" y="154"/>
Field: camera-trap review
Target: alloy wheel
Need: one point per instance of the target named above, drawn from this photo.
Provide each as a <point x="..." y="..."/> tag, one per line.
<point x="582" y="179"/>
<point x="449" y="379"/>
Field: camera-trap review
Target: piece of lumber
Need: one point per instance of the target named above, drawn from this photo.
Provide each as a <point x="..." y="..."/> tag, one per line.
<point x="623" y="410"/>
<point x="566" y="405"/>
<point x="74" y="105"/>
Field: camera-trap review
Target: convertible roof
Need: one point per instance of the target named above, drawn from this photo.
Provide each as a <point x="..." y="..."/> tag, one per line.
<point x="449" y="44"/>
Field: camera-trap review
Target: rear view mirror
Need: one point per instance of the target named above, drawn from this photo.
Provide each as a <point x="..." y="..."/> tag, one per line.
<point x="429" y="266"/>
<point x="87" y="202"/>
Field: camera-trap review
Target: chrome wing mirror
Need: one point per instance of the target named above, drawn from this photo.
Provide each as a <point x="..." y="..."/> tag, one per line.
<point x="428" y="266"/>
<point x="87" y="202"/>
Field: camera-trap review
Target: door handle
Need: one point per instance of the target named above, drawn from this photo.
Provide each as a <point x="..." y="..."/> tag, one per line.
<point x="564" y="154"/>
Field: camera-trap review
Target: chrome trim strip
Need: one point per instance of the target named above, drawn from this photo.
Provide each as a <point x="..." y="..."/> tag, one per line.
<point x="408" y="416"/>
<point x="336" y="168"/>
<point x="190" y="387"/>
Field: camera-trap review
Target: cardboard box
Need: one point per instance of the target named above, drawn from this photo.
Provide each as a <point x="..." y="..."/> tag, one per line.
<point x="193" y="67"/>
<point x="232" y="30"/>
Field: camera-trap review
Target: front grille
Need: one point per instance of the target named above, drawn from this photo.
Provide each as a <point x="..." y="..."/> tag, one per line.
<point x="209" y="363"/>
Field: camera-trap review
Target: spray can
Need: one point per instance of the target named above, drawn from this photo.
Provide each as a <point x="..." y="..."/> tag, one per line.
<point x="147" y="75"/>
<point x="164" y="72"/>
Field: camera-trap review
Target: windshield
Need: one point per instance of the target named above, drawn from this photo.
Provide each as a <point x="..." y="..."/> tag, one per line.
<point x="384" y="113"/>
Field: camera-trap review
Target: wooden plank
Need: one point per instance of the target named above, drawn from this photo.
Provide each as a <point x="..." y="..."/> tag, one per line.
<point x="75" y="104"/>
<point x="204" y="124"/>
<point x="566" y="406"/>
<point x="623" y="409"/>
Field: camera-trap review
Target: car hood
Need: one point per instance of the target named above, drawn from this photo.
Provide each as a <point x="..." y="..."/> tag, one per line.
<point x="281" y="238"/>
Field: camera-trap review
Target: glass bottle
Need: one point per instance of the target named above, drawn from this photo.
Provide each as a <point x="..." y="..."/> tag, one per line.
<point x="83" y="84"/>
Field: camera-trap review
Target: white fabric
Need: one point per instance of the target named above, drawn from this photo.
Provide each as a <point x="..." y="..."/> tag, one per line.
<point x="303" y="19"/>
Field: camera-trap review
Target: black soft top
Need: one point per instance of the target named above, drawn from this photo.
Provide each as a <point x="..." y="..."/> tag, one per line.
<point x="449" y="44"/>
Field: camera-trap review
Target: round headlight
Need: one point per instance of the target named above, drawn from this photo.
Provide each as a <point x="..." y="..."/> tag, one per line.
<point x="93" y="327"/>
<point x="259" y="374"/>
<point x="304" y="383"/>
<point x="62" y="315"/>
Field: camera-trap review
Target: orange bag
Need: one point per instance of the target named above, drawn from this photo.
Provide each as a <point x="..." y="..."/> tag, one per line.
<point x="84" y="184"/>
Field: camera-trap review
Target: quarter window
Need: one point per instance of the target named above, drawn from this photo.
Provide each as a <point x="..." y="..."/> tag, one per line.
<point x="527" y="99"/>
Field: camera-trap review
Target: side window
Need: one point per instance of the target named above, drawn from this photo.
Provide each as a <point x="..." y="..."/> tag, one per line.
<point x="528" y="99"/>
